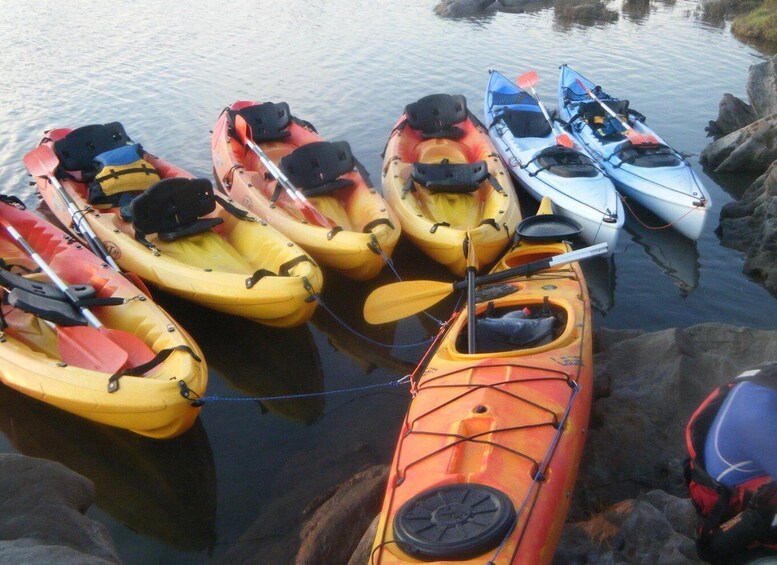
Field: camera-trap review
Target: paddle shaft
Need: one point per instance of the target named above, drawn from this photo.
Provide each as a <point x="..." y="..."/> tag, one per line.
<point x="563" y="258"/>
<point x="61" y="285"/>
<point x="607" y="109"/>
<point x="471" y="271"/>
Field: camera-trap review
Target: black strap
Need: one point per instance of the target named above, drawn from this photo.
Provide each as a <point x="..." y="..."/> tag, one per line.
<point x="284" y="270"/>
<point x="377" y="222"/>
<point x="113" y="380"/>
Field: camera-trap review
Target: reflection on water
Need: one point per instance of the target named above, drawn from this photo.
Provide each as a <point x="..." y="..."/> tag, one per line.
<point x="599" y="274"/>
<point x="162" y="489"/>
<point x="258" y="360"/>
<point x="676" y="256"/>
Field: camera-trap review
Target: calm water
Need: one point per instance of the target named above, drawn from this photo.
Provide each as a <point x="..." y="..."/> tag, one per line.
<point x="166" y="70"/>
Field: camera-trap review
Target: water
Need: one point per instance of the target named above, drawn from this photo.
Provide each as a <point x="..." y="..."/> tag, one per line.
<point x="166" y="70"/>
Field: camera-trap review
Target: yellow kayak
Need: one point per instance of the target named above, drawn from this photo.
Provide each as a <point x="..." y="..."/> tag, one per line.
<point x="170" y="229"/>
<point x="136" y="368"/>
<point x="443" y="177"/>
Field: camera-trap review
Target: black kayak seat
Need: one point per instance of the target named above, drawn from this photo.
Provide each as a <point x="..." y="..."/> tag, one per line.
<point x="57" y="311"/>
<point x="526" y="123"/>
<point x="593" y="109"/>
<point x="566" y="162"/>
<point x="435" y="115"/>
<point x="648" y="156"/>
<point x="172" y="208"/>
<point x="315" y="167"/>
<point x="10" y="280"/>
<point x="268" y="121"/>
<point x="78" y="149"/>
<point x="450" y="177"/>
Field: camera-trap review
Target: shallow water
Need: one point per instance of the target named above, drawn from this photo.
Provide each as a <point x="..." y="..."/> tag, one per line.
<point x="167" y="70"/>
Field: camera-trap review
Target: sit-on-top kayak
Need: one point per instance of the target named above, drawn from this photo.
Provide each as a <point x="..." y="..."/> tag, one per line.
<point x="490" y="447"/>
<point x="314" y="191"/>
<point x="154" y="219"/>
<point x="443" y="178"/>
<point x="531" y="147"/>
<point x="76" y="334"/>
<point x="642" y="165"/>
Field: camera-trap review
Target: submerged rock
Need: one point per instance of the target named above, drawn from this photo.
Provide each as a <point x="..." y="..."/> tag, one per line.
<point x="43" y="515"/>
<point x="463" y="8"/>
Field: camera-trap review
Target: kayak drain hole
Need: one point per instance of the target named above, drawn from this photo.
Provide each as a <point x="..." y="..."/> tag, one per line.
<point x="480" y="409"/>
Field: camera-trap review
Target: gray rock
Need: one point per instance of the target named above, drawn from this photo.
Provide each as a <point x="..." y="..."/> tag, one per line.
<point x="762" y="87"/>
<point x="42" y="518"/>
<point x="733" y="114"/>
<point x="463" y="8"/>
<point x="749" y="149"/>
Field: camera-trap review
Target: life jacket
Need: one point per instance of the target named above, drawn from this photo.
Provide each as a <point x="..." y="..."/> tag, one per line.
<point x="715" y="502"/>
<point x="118" y="171"/>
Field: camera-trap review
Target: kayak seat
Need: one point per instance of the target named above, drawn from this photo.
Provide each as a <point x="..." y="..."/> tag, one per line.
<point x="526" y="123"/>
<point x="60" y="312"/>
<point x="77" y="150"/>
<point x="436" y="115"/>
<point x="268" y="121"/>
<point x="172" y="208"/>
<point x="315" y="167"/>
<point x="648" y="156"/>
<point x="450" y="177"/>
<point x="10" y="280"/>
<point x="565" y="162"/>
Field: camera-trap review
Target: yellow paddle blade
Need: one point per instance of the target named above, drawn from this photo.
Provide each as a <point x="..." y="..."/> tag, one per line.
<point x="402" y="299"/>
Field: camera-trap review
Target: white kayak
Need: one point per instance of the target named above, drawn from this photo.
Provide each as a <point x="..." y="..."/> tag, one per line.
<point x="643" y="166"/>
<point x="528" y="145"/>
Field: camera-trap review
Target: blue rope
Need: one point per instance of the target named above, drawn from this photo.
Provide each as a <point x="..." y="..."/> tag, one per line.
<point x="200" y="401"/>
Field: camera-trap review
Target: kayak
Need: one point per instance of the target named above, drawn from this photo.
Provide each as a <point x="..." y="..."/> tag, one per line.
<point x="642" y="165"/>
<point x="528" y="145"/>
<point x="158" y="221"/>
<point x="130" y="373"/>
<point x="443" y="178"/>
<point x="346" y="224"/>
<point x="489" y="450"/>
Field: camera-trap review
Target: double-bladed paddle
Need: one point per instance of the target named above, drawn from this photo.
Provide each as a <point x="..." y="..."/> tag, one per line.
<point x="633" y="135"/>
<point x="401" y="299"/>
<point x="97" y="347"/>
<point x="310" y="212"/>
<point x="528" y="80"/>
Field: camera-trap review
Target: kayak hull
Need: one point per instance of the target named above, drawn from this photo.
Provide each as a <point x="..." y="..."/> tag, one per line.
<point x="370" y="228"/>
<point x="438" y="223"/>
<point x="31" y="360"/>
<point x="672" y="191"/>
<point x="510" y="420"/>
<point x="210" y="268"/>
<point x="589" y="198"/>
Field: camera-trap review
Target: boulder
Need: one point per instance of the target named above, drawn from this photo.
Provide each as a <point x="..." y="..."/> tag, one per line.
<point x="762" y="87"/>
<point x="42" y="518"/>
<point x="750" y="225"/>
<point x="733" y="114"/>
<point x="464" y="8"/>
<point x="749" y="149"/>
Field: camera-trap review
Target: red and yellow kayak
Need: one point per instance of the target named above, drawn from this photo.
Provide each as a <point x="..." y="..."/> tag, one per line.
<point x="358" y="232"/>
<point x="443" y="177"/>
<point x="72" y="366"/>
<point x="489" y="450"/>
<point x="220" y="256"/>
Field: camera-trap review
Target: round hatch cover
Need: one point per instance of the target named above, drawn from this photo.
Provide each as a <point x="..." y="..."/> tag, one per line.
<point x="548" y="227"/>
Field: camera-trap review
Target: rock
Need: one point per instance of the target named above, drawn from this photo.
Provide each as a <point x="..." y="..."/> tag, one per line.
<point x="583" y="12"/>
<point x="463" y="8"/>
<point x="355" y="503"/>
<point x="518" y="6"/>
<point x="762" y="87"/>
<point x="43" y="515"/>
<point x="733" y="114"/>
<point x="750" y="226"/>
<point x="653" y="528"/>
<point x="750" y="149"/>
<point x="363" y="551"/>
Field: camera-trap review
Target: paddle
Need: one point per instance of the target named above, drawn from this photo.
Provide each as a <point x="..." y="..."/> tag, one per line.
<point x="528" y="80"/>
<point x="471" y="270"/>
<point x="399" y="300"/>
<point x="633" y="135"/>
<point x="310" y="213"/>
<point x="97" y="348"/>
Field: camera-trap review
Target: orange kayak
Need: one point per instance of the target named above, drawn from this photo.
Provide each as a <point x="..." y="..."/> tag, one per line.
<point x="346" y="224"/>
<point x="443" y="177"/>
<point x="50" y="353"/>
<point x="490" y="447"/>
